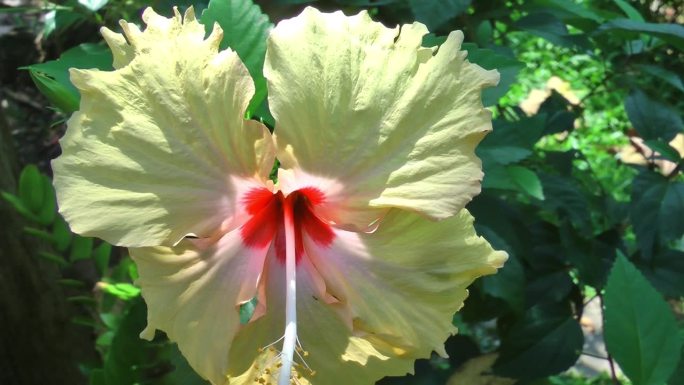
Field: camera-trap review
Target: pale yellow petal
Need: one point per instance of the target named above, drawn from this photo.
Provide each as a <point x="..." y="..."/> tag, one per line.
<point x="395" y="123"/>
<point x="193" y="293"/>
<point x="403" y="282"/>
<point x="388" y="299"/>
<point x="332" y="349"/>
<point x="157" y="145"/>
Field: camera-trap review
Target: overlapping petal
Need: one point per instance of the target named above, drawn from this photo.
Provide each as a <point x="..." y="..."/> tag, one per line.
<point x="157" y="145"/>
<point x="372" y="303"/>
<point x="193" y="293"/>
<point x="367" y="106"/>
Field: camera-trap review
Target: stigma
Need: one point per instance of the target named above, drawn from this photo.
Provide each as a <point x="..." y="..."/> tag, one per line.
<point x="282" y="222"/>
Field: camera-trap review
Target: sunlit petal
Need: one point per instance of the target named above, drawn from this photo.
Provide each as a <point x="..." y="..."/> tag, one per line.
<point x="403" y="282"/>
<point x="371" y="304"/>
<point x="332" y="349"/>
<point x="153" y="152"/>
<point x="193" y="293"/>
<point x="394" y="123"/>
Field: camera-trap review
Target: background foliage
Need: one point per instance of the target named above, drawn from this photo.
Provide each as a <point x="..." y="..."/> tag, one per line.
<point x="583" y="184"/>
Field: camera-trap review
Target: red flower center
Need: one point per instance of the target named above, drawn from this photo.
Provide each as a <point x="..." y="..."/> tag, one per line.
<point x="266" y="222"/>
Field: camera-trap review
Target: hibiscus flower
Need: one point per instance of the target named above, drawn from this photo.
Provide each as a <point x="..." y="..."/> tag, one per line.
<point x="359" y="255"/>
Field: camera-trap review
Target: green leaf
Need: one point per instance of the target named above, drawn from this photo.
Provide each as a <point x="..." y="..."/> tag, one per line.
<point x="591" y="257"/>
<point x="561" y="161"/>
<point x="72" y="283"/>
<point x="61" y="234"/>
<point x="484" y="33"/>
<point x="548" y="288"/>
<point x="667" y="76"/>
<point x="36" y="199"/>
<point x="652" y="119"/>
<point x="508" y="283"/>
<point x="111" y="320"/>
<point x="83" y="299"/>
<point x="123" y="291"/>
<point x="669" y="32"/>
<point x="435" y="13"/>
<point x="105" y="339"/>
<point x="546" y="25"/>
<point x="84" y="321"/>
<point x="60" y="19"/>
<point x="511" y="142"/>
<point x="127" y="351"/>
<point x="678" y="374"/>
<point x="18" y="205"/>
<point x="543" y="24"/>
<point x="526" y="181"/>
<point x="563" y="195"/>
<point x="558" y="117"/>
<point x="494" y="214"/>
<point x="124" y="271"/>
<point x="640" y="329"/>
<point x="52" y="77"/>
<point x="38" y="233"/>
<point x="664" y="149"/>
<point x="546" y="341"/>
<point x="48" y="209"/>
<point x="628" y="10"/>
<point x="502" y="155"/>
<point x="54" y="258"/>
<point x="665" y="271"/>
<point x="245" y="29"/>
<point x="31" y="188"/>
<point x="507" y="66"/>
<point x="182" y="373"/>
<point x="81" y="248"/>
<point x="515" y="178"/>
<point x="656" y="210"/>
<point x="101" y="256"/>
<point x="571" y="9"/>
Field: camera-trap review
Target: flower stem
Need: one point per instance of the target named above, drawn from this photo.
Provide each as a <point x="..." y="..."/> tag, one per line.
<point x="290" y="297"/>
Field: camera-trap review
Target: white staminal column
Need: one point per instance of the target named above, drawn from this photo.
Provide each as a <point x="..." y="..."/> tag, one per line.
<point x="290" y="340"/>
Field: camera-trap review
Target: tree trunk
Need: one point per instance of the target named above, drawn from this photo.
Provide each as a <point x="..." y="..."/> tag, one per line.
<point x="38" y="343"/>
